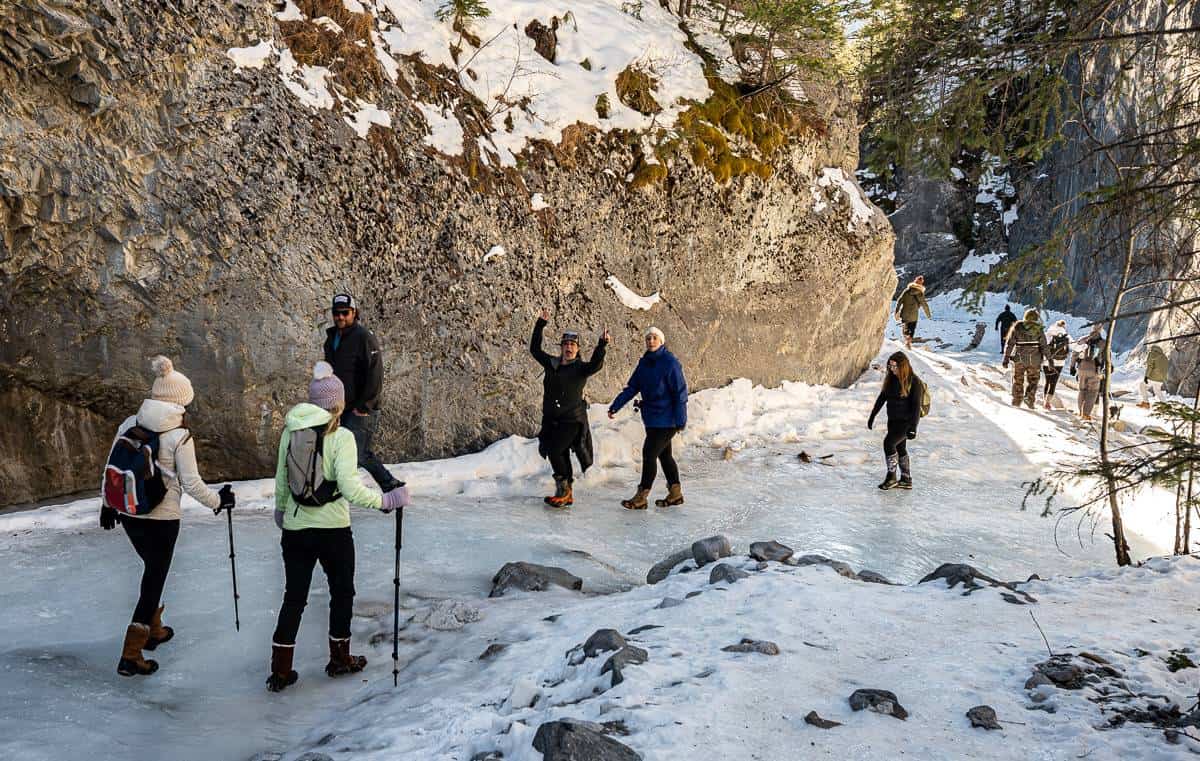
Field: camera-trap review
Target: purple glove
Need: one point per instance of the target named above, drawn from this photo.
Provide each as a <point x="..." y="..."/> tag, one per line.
<point x="279" y="519"/>
<point x="395" y="499"/>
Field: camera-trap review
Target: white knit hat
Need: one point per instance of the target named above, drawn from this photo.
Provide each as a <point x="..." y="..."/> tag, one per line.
<point x="170" y="385"/>
<point x="652" y="331"/>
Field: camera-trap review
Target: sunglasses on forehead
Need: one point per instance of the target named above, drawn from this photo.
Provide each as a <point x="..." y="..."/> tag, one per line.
<point x="341" y="312"/>
<point x="570" y="337"/>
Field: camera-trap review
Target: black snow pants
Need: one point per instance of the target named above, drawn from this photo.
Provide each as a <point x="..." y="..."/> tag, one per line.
<point x="656" y="449"/>
<point x="154" y="542"/>
<point x="558" y="440"/>
<point x="333" y="548"/>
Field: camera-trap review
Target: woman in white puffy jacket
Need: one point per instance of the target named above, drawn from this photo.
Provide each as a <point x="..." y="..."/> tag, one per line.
<point x="153" y="533"/>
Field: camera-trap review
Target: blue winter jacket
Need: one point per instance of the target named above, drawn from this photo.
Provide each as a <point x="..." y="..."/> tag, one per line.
<point x="658" y="377"/>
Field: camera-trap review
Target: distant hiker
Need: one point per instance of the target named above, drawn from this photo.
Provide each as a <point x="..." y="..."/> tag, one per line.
<point x="904" y="393"/>
<point x="1026" y="348"/>
<point x="353" y="351"/>
<point x="1004" y="323"/>
<point x="1155" y="377"/>
<point x="1088" y="362"/>
<point x="564" y="412"/>
<point x="909" y="306"/>
<point x="152" y="463"/>
<point x="316" y="479"/>
<point x="659" y="379"/>
<point x="1058" y="351"/>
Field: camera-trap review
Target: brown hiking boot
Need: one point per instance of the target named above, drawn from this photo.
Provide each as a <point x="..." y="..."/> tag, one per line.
<point x="158" y="633"/>
<point x="132" y="663"/>
<point x="563" y="494"/>
<point x="341" y="661"/>
<point x="638" y="502"/>
<point x="674" y="497"/>
<point x="282" y="674"/>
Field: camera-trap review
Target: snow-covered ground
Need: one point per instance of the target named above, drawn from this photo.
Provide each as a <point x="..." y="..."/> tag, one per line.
<point x="69" y="588"/>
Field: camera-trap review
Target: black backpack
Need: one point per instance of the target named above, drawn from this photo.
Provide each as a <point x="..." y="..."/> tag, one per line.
<point x="1060" y="346"/>
<point x="306" y="469"/>
<point x="133" y="480"/>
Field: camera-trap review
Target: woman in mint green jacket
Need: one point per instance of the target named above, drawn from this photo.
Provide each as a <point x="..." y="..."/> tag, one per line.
<point x="321" y="534"/>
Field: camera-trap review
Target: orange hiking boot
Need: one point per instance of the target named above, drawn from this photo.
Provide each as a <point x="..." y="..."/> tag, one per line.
<point x="563" y="494"/>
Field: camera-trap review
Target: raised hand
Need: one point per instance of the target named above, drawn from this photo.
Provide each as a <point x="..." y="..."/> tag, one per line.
<point x="605" y="336"/>
<point x="544" y="314"/>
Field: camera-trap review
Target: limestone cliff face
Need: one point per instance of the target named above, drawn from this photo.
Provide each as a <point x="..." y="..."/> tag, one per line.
<point x="155" y="199"/>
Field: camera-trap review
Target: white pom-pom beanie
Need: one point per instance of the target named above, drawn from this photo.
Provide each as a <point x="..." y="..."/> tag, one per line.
<point x="325" y="391"/>
<point x="170" y="385"/>
<point x="655" y="332"/>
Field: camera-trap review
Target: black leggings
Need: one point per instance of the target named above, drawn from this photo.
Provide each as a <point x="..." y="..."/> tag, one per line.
<point x="333" y="548"/>
<point x="154" y="542"/>
<point x="1052" y="374"/>
<point x="656" y="449"/>
<point x="895" y="443"/>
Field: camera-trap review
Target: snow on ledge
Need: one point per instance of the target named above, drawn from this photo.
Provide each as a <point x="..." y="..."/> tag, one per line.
<point x="495" y="252"/>
<point x="833" y="177"/>
<point x="628" y="297"/>
<point x="253" y="57"/>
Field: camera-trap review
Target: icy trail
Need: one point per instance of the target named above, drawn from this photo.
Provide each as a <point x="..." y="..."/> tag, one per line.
<point x="69" y="586"/>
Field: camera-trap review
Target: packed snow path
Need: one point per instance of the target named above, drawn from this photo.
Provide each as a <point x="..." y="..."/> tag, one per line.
<point x="70" y="586"/>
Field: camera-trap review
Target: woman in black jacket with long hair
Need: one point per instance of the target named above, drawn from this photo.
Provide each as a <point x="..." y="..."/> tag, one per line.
<point x="902" y="392"/>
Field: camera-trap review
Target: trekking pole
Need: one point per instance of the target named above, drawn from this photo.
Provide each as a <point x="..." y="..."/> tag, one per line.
<point x="396" y="604"/>
<point x="237" y="623"/>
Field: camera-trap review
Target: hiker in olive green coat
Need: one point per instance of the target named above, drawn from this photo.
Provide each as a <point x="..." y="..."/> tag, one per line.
<point x="1156" y="375"/>
<point x="1026" y="348"/>
<point x="909" y="306"/>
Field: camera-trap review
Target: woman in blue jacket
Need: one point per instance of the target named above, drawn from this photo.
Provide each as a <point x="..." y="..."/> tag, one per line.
<point x="659" y="379"/>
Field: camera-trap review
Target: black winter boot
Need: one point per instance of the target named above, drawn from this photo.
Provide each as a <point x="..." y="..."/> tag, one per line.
<point x="889" y="482"/>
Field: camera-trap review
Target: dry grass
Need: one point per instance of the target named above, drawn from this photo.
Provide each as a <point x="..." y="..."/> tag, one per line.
<point x="350" y="54"/>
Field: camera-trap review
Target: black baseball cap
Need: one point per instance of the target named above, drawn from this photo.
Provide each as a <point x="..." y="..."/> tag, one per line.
<point x="344" y="301"/>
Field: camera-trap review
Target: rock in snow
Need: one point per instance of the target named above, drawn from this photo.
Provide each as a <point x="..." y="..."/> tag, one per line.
<point x="983" y="717"/>
<point x="727" y="573"/>
<point x="815" y="720"/>
<point x="879" y="701"/>
<point x="572" y="740"/>
<point x="629" y="655"/>
<point x="663" y="568"/>
<point x="771" y="550"/>
<point x="711" y="549"/>
<point x="753" y="646"/>
<point x="531" y="577"/>
<point x="603" y="640"/>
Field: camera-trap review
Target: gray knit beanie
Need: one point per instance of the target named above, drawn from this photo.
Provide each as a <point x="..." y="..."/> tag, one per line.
<point x="325" y="391"/>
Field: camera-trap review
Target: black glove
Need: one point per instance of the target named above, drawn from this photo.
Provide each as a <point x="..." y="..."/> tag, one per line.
<point x="912" y="434"/>
<point x="1072" y="371"/>
<point x="108" y="518"/>
<point x="870" y="423"/>
<point x="227" y="499"/>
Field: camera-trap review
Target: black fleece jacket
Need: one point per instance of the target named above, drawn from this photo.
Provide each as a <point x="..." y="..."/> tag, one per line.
<point x="562" y="384"/>
<point x="358" y="365"/>
<point x="900" y="409"/>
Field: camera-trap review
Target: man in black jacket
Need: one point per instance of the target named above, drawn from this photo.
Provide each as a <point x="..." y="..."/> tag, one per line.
<point x="564" y="411"/>
<point x="1004" y="323"/>
<point x="354" y="353"/>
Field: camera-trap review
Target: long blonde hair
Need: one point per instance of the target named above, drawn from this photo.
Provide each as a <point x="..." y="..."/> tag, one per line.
<point x="336" y="410"/>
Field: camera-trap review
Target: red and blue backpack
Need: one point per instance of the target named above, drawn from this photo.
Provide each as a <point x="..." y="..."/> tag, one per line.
<point x="133" y="480"/>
